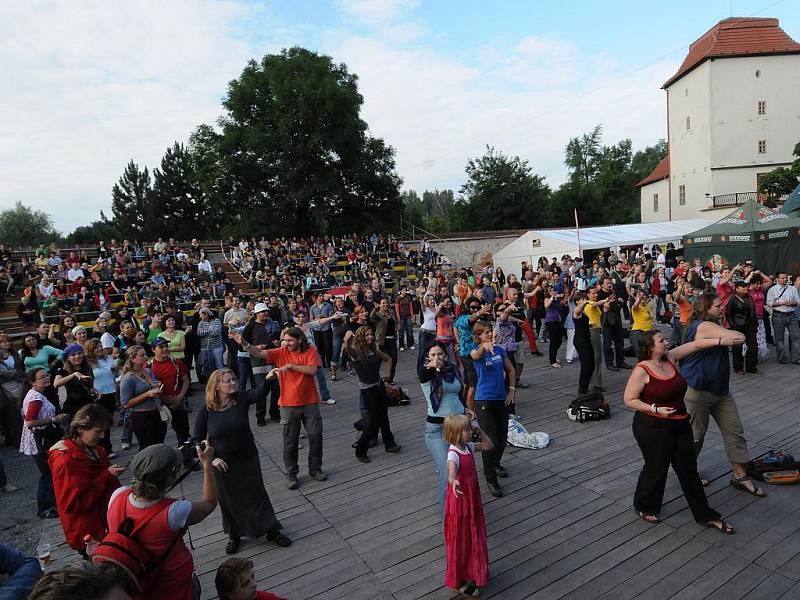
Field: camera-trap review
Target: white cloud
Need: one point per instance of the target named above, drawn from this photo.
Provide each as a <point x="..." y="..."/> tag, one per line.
<point x="377" y="13"/>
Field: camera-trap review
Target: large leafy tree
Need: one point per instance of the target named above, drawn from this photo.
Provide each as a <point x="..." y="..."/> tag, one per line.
<point x="503" y="192"/>
<point x="177" y="204"/>
<point x="131" y="200"/>
<point x="299" y="156"/>
<point x="23" y="226"/>
<point x="782" y="180"/>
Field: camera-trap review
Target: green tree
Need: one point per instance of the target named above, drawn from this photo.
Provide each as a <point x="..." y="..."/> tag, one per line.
<point x="23" y="226"/>
<point x="782" y="180"/>
<point x="503" y="193"/>
<point x="582" y="154"/>
<point x="130" y="201"/>
<point x="102" y="229"/>
<point x="298" y="152"/>
<point x="177" y="204"/>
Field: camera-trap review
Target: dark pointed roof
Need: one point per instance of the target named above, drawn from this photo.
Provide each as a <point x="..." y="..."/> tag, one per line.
<point x="737" y="36"/>
<point x="660" y="172"/>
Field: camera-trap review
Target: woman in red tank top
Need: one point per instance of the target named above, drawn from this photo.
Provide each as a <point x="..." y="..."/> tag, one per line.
<point x="661" y="427"/>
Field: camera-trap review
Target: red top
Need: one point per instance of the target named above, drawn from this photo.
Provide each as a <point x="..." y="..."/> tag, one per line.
<point x="82" y="487"/>
<point x="297" y="389"/>
<point x="174" y="580"/>
<point x="667" y="392"/>
<point x="268" y="596"/>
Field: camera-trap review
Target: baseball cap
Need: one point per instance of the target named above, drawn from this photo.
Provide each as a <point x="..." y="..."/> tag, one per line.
<point x="260" y="307"/>
<point x="156" y="463"/>
<point x="159" y="341"/>
<point x="72" y="349"/>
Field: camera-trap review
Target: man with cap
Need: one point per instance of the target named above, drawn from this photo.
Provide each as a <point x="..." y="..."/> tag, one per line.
<point x="172" y="373"/>
<point x="741" y="317"/>
<point x="154" y="470"/>
<point x="263" y="333"/>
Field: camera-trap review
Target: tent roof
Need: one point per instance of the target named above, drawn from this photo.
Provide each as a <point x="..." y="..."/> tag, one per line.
<point x="604" y="237"/>
<point x="792" y="203"/>
<point x="750" y="217"/>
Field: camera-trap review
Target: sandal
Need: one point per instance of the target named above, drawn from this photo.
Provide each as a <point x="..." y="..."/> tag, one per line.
<point x="648" y="518"/>
<point x="738" y="483"/>
<point x="722" y="527"/>
<point x="470" y="590"/>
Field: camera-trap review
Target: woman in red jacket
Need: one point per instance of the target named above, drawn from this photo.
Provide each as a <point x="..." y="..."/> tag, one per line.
<point x="82" y="478"/>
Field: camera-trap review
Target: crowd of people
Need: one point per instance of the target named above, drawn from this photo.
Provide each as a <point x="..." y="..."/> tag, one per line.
<point x="283" y="346"/>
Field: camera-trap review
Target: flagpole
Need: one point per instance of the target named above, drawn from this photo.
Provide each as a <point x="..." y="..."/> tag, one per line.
<point x="578" y="232"/>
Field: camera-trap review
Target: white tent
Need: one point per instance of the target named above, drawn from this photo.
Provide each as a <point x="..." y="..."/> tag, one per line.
<point x="557" y="242"/>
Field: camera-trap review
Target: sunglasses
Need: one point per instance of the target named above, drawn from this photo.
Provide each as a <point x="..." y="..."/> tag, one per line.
<point x="474" y="307"/>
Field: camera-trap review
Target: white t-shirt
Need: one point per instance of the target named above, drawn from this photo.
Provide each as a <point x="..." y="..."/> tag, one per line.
<point x="454" y="451"/>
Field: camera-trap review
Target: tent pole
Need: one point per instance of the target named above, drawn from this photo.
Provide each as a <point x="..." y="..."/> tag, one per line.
<point x="578" y="232"/>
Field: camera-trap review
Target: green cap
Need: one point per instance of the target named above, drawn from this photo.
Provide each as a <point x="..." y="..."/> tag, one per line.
<point x="155" y="463"/>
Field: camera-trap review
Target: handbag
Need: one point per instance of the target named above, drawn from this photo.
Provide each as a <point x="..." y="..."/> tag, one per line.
<point x="47" y="436"/>
<point x="164" y="413"/>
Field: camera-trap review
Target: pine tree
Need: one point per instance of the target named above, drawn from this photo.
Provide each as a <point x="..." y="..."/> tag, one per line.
<point x="130" y="199"/>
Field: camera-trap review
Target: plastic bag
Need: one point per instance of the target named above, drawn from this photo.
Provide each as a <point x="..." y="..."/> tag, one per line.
<point x="518" y="436"/>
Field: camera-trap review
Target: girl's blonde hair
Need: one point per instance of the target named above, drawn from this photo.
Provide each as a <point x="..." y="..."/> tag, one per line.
<point x="454" y="426"/>
<point x="212" y="398"/>
<point x="89" y="351"/>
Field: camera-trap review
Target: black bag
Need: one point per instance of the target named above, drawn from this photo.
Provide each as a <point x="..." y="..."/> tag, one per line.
<point x="45" y="437"/>
<point x="774" y="460"/>
<point x="589" y="407"/>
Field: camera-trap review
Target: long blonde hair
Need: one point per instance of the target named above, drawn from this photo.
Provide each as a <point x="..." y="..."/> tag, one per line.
<point x="454" y="426"/>
<point x="130" y="353"/>
<point x="359" y="347"/>
<point x="212" y="398"/>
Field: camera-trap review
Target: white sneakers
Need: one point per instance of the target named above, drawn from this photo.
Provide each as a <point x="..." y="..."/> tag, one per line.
<point x="329" y="401"/>
<point x="8" y="488"/>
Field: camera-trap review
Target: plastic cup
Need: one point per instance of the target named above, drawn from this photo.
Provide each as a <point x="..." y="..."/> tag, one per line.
<point x="43" y="553"/>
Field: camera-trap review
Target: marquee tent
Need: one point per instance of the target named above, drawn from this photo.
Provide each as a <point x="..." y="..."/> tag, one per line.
<point x="556" y="242"/>
<point x="752" y="231"/>
<point x="792" y="204"/>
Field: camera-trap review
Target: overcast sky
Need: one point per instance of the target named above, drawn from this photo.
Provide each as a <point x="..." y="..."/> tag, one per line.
<point x="90" y="85"/>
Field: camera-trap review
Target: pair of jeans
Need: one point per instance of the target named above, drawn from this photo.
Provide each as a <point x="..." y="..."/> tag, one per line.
<point x="322" y="383"/>
<point x="664" y="442"/>
<point x="612" y="335"/>
<point x="274" y="392"/>
<point x="218" y="355"/>
<point x="148" y="428"/>
<point x="311" y="419"/>
<point x="338" y="343"/>
<point x="245" y="372"/>
<point x="780" y="323"/>
<point x="437" y="446"/>
<point x="374" y="399"/>
<point x="109" y="402"/>
<point x="406" y="332"/>
<point x="493" y="418"/>
<point x="45" y="495"/>
<point x="127" y="425"/>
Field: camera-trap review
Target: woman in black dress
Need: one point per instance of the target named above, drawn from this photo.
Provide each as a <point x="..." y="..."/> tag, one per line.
<point x="223" y="420"/>
<point x="583" y="343"/>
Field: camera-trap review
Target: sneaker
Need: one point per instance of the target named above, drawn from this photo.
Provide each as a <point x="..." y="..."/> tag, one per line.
<point x="126" y="446"/>
<point x="402" y="349"/>
<point x="501" y="471"/>
<point x="233" y="545"/>
<point x="329" y="401"/>
<point x="363" y="459"/>
<point x="783" y="360"/>
<point x="293" y="483"/>
<point x="318" y="475"/>
<point x="112" y="455"/>
<point x="413" y="348"/>
<point x="8" y="488"/>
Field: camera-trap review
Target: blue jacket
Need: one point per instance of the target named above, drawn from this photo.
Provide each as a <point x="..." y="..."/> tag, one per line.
<point x="23" y="573"/>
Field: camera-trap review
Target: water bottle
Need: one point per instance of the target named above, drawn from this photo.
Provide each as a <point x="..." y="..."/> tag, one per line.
<point x="91" y="544"/>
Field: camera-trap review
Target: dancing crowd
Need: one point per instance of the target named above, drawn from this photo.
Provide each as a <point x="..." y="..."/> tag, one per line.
<point x="325" y="308"/>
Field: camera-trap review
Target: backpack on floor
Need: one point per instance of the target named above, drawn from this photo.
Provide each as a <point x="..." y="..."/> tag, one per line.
<point x="773" y="461"/>
<point x="589" y="407"/>
<point x="395" y="396"/>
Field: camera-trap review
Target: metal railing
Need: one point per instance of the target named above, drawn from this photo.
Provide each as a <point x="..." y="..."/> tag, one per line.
<point x="725" y="200"/>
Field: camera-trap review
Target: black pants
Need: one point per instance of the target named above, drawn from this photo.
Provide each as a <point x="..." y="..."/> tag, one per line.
<point x="612" y="334"/>
<point x="180" y="424"/>
<point x="586" y="357"/>
<point x="768" y="328"/>
<point x="377" y="418"/>
<point x="45" y="495"/>
<point x="324" y="343"/>
<point x="664" y="442"/>
<point x="274" y="393"/>
<point x="750" y="359"/>
<point x="389" y="347"/>
<point x="109" y="402"/>
<point x="148" y="428"/>
<point x="554" y="330"/>
<point x="493" y="419"/>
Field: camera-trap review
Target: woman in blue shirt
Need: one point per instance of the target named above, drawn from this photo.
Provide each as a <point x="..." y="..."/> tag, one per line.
<point x="492" y="397"/>
<point x="445" y="394"/>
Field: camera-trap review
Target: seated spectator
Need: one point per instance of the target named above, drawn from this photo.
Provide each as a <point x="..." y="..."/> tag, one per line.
<point x="87" y="581"/>
<point x="236" y="580"/>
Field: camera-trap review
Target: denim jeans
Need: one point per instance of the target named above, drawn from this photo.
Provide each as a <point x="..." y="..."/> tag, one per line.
<point x="127" y="425"/>
<point x="291" y="418"/>
<point x="425" y="338"/>
<point x="780" y="323"/>
<point x="336" y="356"/>
<point x="218" y="354"/>
<point x="245" y="371"/>
<point x="406" y="333"/>
<point x="324" y="392"/>
<point x="437" y="446"/>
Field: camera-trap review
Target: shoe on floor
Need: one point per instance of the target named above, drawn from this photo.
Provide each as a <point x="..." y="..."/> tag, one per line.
<point x="402" y="349"/>
<point x="495" y="489"/>
<point x="393" y="448"/>
<point x="50" y="513"/>
<point x="280" y="539"/>
<point x="523" y="385"/>
<point x="8" y="488"/>
<point x="364" y="459"/>
<point x="125" y="446"/>
<point x="293" y="483"/>
<point x="413" y="348"/>
<point x="112" y="455"/>
<point x="783" y="360"/>
<point x="318" y="475"/>
<point x="329" y="401"/>
<point x="261" y="422"/>
<point x="233" y="546"/>
<point x="625" y="366"/>
<point x="501" y="471"/>
<point x="612" y="368"/>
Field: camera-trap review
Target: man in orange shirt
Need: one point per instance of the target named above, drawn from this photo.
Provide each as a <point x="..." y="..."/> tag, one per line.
<point x="297" y="363"/>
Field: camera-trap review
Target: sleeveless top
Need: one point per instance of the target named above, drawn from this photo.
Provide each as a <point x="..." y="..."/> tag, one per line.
<point x="667" y="392"/>
<point x="706" y="370"/>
